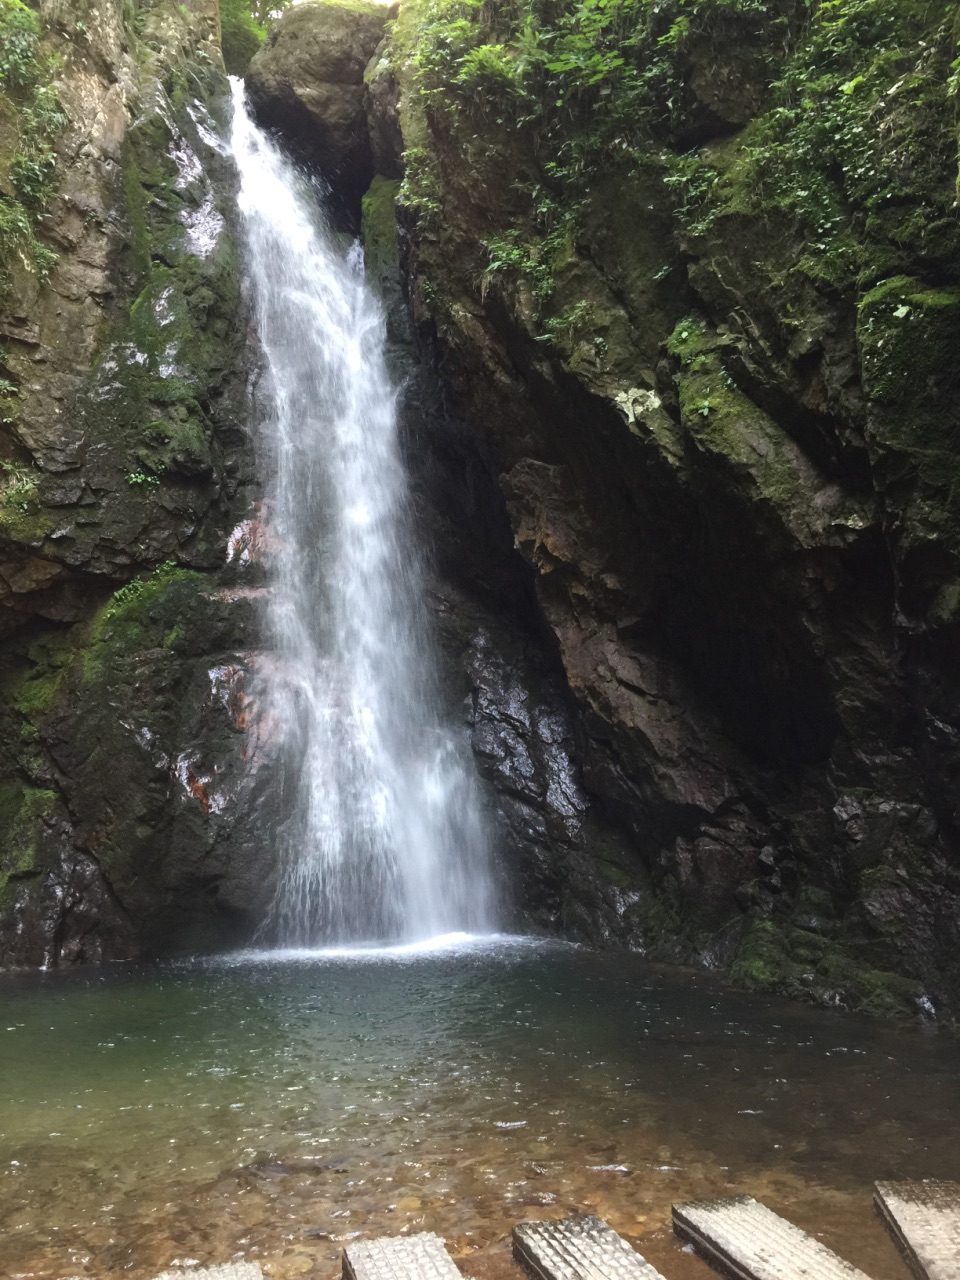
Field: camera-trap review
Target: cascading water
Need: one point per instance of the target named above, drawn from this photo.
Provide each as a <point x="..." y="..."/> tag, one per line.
<point x="383" y="840"/>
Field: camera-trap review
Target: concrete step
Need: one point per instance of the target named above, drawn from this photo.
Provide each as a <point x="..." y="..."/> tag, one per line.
<point x="751" y="1242"/>
<point x="419" y="1257"/>
<point x="582" y="1248"/>
<point x="924" y="1220"/>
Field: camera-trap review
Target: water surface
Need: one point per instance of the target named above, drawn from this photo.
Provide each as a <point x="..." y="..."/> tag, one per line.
<point x="272" y="1106"/>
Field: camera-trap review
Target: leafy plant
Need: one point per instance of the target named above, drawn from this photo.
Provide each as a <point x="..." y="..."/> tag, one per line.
<point x="19" y="34"/>
<point x="137" y="588"/>
<point x="18" y="486"/>
<point x="24" y="74"/>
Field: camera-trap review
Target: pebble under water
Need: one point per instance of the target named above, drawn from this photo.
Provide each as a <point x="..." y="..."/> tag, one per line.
<point x="274" y="1106"/>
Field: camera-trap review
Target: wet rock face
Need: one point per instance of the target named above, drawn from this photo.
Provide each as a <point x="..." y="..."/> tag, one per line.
<point x="308" y="83"/>
<point x="127" y="645"/>
<point x="695" y="553"/>
<point x="499" y="666"/>
<point x="123" y="434"/>
<point x="726" y="467"/>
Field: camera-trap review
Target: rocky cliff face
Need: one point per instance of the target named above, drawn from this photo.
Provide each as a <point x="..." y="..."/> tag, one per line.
<point x="691" y="274"/>
<point x="126" y="462"/>
<point x="676" y="334"/>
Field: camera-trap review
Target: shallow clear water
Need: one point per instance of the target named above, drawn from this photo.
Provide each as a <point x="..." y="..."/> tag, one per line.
<point x="149" y="1115"/>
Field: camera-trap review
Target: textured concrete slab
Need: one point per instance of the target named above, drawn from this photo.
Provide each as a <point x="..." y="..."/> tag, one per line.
<point x="228" y="1271"/>
<point x="752" y="1242"/>
<point x="578" y="1249"/>
<point x="924" y="1219"/>
<point x="420" y="1257"/>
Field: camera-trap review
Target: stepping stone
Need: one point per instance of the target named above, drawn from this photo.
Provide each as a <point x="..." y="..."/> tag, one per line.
<point x="751" y="1242"/>
<point x="578" y="1249"/>
<point x="420" y="1257"/>
<point x="228" y="1271"/>
<point x="924" y="1219"/>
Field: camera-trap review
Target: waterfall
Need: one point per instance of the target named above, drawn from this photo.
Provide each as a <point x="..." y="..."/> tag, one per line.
<point x="382" y="838"/>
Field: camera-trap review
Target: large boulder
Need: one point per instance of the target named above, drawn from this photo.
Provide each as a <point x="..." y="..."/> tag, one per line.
<point x="308" y="83"/>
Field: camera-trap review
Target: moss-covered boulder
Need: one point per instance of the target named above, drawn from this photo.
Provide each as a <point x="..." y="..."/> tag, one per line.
<point x="308" y="82"/>
<point x="131" y="762"/>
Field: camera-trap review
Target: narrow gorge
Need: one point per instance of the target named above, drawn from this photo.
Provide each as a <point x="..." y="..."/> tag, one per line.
<point x="671" y="304"/>
<point x="479" y="636"/>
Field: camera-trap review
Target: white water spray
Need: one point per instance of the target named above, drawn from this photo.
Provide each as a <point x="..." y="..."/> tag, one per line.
<point x="383" y="840"/>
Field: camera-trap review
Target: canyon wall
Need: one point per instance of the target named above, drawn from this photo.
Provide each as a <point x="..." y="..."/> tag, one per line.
<point x="126" y="462"/>
<point x="673" y="295"/>
<point x="691" y="274"/>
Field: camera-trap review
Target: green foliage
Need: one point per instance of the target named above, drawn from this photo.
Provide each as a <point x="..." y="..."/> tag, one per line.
<point x="560" y="330"/>
<point x="420" y="189"/>
<point x="18" y="486"/>
<point x="140" y="480"/>
<point x="32" y="170"/>
<point x="19" y="34"/>
<point x="529" y="261"/>
<point x="855" y="145"/>
<point x="244" y="25"/>
<point x="586" y="84"/>
<point x="25" y="71"/>
<point x="266" y="11"/>
<point x="141" y="588"/>
<point x="585" y="75"/>
<point x="243" y="32"/>
<point x="858" y="147"/>
<point x="534" y="257"/>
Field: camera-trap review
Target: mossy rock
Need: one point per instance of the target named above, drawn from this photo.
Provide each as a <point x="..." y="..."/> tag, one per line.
<point x="23" y="812"/>
<point x="308" y="81"/>
<point x="775" y="956"/>
<point x="378" y="229"/>
<point x="723" y="422"/>
<point x="908" y="336"/>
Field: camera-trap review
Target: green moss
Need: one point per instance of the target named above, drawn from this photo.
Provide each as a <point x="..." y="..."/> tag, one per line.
<point x="138" y="616"/>
<point x="23" y="811"/>
<point x="658" y="919"/>
<point x="241" y="36"/>
<point x="37" y="692"/>
<point x="615" y="874"/>
<point x="775" y="956"/>
<point x="760" y="961"/>
<point x="725" y="423"/>
<point x="858" y="147"/>
<point x="166" y="356"/>
<point x="19" y="500"/>
<point x="872" y="991"/>
<point x="138" y="243"/>
<point x="370" y="7"/>
<point x="690" y="340"/>
<point x="908" y="340"/>
<point x="908" y="336"/>
<point x="25" y="522"/>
